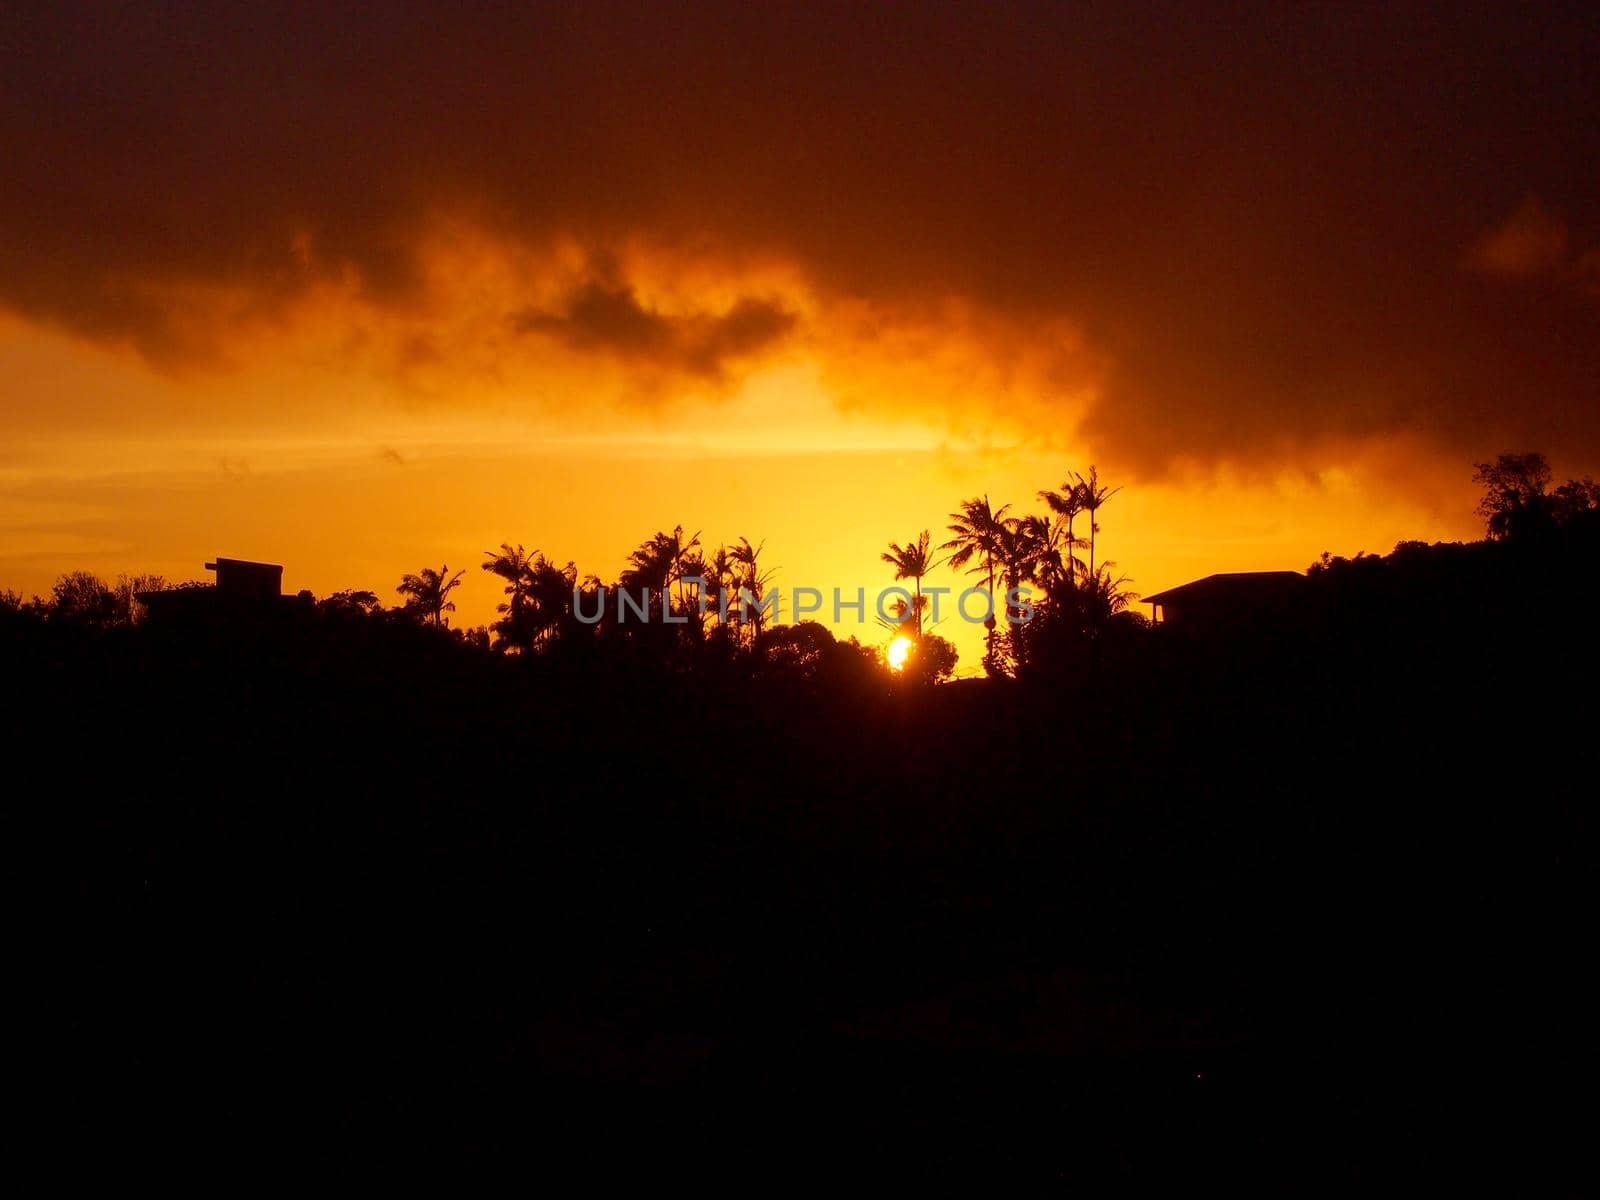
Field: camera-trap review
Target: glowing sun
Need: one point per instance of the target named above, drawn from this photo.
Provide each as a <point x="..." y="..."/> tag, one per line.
<point x="899" y="651"/>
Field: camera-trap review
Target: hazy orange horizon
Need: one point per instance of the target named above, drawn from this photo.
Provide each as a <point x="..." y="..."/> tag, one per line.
<point x="357" y="503"/>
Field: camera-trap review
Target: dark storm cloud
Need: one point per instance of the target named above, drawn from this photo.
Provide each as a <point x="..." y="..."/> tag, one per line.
<point x="700" y="343"/>
<point x="1272" y="221"/>
<point x="605" y="315"/>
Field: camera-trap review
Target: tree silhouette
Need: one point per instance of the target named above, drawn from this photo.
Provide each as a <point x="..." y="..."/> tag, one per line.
<point x="540" y="596"/>
<point x="1518" y="501"/>
<point x="975" y="547"/>
<point x="1092" y="496"/>
<point x="1102" y="596"/>
<point x="549" y="601"/>
<point x="684" y="561"/>
<point x="912" y="561"/>
<point x="1019" y="546"/>
<point x="648" y="576"/>
<point x="1047" y="541"/>
<point x="795" y="651"/>
<point x="427" y="593"/>
<point x="1573" y="499"/>
<point x="1515" y="494"/>
<point x="720" y="574"/>
<point x="931" y="660"/>
<point x="350" y="602"/>
<point x="751" y="579"/>
<point x="83" y="598"/>
<point x="1067" y="504"/>
<point x="515" y="566"/>
<point x="659" y="563"/>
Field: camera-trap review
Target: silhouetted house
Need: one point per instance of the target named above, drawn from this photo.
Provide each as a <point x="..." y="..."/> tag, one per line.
<point x="237" y="578"/>
<point x="1220" y="599"/>
<point x="243" y="589"/>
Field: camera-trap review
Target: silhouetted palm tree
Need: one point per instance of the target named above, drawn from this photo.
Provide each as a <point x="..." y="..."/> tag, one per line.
<point x="428" y="591"/>
<point x="650" y="569"/>
<point x="753" y="580"/>
<point x="660" y="562"/>
<point x="1102" y="596"/>
<point x="1067" y="504"/>
<point x="1017" y="554"/>
<point x="549" y="596"/>
<point x="912" y="561"/>
<point x="1047" y="539"/>
<point x="515" y="566"/>
<point x="721" y="576"/>
<point x="1091" y="497"/>
<point x="976" y="541"/>
<point x="681" y="557"/>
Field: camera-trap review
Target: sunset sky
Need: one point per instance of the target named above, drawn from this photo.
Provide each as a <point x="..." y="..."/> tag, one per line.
<point x="363" y="290"/>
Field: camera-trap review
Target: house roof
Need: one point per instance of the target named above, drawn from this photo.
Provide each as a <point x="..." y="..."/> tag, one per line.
<point x="1230" y="583"/>
<point x="244" y="564"/>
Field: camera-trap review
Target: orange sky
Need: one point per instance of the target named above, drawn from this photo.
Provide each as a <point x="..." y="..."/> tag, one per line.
<point x="362" y="295"/>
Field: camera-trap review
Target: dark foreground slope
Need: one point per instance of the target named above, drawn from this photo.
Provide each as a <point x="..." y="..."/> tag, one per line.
<point x="1286" y="904"/>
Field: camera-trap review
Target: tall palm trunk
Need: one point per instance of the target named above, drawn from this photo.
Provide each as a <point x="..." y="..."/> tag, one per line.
<point x="1014" y="629"/>
<point x="992" y="623"/>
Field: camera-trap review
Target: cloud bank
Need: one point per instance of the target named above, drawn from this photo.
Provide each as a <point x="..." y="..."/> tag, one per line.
<point x="1207" y="235"/>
